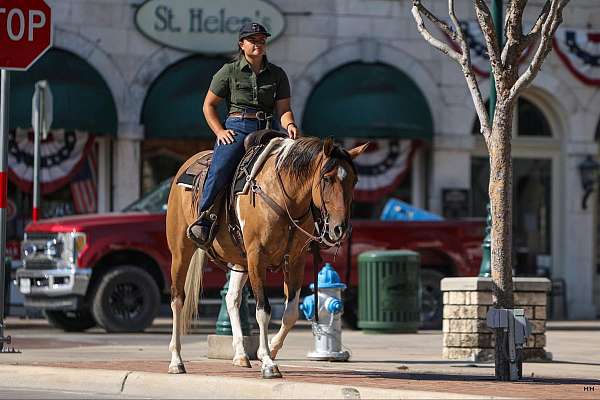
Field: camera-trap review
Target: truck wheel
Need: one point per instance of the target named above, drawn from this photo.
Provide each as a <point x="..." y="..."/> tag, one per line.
<point x="125" y="299"/>
<point x="70" y="321"/>
<point x="432" y="305"/>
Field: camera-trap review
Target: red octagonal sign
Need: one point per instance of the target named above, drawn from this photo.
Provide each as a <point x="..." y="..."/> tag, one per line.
<point x="25" y="32"/>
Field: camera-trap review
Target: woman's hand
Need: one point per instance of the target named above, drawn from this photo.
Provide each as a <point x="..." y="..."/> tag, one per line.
<point x="292" y="130"/>
<point x="225" y="136"/>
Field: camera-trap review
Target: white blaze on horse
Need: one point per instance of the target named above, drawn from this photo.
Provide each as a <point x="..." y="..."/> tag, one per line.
<point x="302" y="193"/>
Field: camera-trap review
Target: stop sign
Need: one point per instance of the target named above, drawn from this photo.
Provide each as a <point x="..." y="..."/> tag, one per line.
<point x="25" y="32"/>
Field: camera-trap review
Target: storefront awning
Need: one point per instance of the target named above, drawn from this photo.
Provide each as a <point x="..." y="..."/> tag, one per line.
<point x="173" y="105"/>
<point x="82" y="100"/>
<point x="367" y="101"/>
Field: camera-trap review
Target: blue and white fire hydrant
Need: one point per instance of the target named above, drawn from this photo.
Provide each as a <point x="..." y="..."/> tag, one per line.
<point x="328" y="332"/>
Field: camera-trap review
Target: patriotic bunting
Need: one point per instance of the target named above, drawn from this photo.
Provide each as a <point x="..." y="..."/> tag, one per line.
<point x="382" y="167"/>
<point x="580" y="51"/>
<point x="62" y="155"/>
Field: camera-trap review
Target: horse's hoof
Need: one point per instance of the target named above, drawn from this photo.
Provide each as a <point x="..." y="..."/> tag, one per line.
<point x="271" y="372"/>
<point x="177" y="369"/>
<point x="242" y="361"/>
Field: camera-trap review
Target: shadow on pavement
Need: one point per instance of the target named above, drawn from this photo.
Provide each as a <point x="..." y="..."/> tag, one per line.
<point x="419" y="376"/>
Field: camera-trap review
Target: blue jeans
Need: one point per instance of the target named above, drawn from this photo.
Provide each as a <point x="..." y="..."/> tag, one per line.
<point x="226" y="158"/>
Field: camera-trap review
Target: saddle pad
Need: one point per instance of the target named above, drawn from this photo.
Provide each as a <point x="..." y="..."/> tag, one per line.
<point x="196" y="171"/>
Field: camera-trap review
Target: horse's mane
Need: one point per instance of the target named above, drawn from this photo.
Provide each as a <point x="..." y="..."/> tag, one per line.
<point x="296" y="157"/>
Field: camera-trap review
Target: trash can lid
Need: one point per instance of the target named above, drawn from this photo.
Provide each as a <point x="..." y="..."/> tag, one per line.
<point x="381" y="255"/>
<point x="328" y="278"/>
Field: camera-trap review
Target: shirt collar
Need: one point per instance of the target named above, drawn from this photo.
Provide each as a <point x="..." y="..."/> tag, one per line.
<point x="244" y="64"/>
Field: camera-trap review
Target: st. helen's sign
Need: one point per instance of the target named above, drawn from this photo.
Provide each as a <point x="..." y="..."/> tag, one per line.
<point x="205" y="26"/>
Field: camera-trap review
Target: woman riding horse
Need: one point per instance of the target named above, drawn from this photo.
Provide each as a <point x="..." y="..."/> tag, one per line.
<point x="253" y="88"/>
<point x="302" y="194"/>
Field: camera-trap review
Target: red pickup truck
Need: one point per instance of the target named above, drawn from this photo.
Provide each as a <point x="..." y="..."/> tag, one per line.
<point x="113" y="270"/>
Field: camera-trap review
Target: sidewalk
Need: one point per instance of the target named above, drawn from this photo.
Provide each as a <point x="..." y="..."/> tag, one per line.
<point x="382" y="366"/>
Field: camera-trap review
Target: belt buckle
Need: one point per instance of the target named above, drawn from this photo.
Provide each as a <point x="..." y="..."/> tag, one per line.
<point x="260" y="115"/>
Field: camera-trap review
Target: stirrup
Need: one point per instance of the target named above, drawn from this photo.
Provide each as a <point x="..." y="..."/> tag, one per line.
<point x="213" y="229"/>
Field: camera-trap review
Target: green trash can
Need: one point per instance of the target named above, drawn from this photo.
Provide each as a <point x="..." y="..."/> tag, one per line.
<point x="389" y="298"/>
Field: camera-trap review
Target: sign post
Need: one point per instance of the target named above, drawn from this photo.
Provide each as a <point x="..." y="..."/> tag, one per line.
<point x="41" y="119"/>
<point x="4" y="89"/>
<point x="25" y="35"/>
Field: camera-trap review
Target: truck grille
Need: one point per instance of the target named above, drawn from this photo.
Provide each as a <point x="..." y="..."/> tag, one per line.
<point x="39" y="264"/>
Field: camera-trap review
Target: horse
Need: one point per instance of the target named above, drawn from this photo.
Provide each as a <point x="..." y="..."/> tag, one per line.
<point x="299" y="176"/>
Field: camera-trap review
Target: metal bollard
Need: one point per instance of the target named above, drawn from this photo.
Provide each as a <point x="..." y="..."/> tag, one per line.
<point x="328" y="332"/>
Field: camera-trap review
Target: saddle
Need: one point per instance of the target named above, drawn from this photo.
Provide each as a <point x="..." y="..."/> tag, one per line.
<point x="259" y="146"/>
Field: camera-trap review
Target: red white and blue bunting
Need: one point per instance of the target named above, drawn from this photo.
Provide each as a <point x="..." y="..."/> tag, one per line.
<point x="580" y="51"/>
<point x="62" y="155"/>
<point x="382" y="167"/>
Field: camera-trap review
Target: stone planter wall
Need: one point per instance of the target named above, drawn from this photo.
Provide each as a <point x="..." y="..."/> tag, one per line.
<point x="466" y="303"/>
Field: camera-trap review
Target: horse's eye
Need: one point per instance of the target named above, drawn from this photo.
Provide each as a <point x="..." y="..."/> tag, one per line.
<point x="328" y="179"/>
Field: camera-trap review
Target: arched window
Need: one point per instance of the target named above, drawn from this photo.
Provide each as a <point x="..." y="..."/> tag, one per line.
<point x="530" y="121"/>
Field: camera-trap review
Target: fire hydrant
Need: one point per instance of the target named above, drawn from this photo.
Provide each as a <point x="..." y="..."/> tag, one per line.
<point x="328" y="331"/>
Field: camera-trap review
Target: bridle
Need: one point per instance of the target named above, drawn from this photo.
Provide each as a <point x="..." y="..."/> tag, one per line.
<point x="320" y="217"/>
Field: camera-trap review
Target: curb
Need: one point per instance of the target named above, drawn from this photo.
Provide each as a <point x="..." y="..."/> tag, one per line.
<point x="132" y="383"/>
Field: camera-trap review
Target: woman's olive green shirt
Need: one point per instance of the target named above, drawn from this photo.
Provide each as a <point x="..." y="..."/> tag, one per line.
<point x="237" y="83"/>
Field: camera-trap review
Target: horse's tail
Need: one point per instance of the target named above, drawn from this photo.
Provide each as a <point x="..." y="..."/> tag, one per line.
<point x="193" y="287"/>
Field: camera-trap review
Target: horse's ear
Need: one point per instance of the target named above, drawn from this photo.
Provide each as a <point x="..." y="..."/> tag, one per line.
<point x="358" y="150"/>
<point x="328" y="146"/>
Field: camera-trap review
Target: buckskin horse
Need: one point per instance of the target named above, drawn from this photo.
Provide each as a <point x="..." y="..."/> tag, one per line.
<point x="301" y="195"/>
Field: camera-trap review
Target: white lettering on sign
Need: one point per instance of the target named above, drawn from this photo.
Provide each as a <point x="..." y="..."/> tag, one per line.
<point x="36" y="20"/>
<point x="9" y="24"/>
<point x="33" y="25"/>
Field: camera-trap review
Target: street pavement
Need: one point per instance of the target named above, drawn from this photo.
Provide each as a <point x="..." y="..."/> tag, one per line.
<point x="95" y="365"/>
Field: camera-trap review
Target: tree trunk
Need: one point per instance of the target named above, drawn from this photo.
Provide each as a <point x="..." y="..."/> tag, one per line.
<point x="500" y="192"/>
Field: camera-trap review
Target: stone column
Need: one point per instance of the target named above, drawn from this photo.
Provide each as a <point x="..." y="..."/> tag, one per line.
<point x="451" y="167"/>
<point x="419" y="179"/>
<point x="104" y="175"/>
<point x="577" y="264"/>
<point x="127" y="164"/>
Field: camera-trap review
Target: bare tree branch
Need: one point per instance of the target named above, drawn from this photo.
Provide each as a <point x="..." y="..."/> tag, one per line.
<point x="514" y="33"/>
<point x="534" y="34"/>
<point x="467" y="69"/>
<point x="463" y="59"/>
<point x="480" y="108"/>
<point x="551" y="23"/>
<point x="486" y="24"/>
<point x="530" y="38"/>
<point x="417" y="9"/>
<point x="440" y="23"/>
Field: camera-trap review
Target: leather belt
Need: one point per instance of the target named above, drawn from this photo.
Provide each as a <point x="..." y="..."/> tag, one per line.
<point x="259" y="115"/>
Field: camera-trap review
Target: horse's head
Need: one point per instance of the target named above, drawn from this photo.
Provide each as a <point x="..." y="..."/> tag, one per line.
<point x="332" y="192"/>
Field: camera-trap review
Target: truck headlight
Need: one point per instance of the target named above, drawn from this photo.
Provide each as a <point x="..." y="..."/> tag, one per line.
<point x="73" y="244"/>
